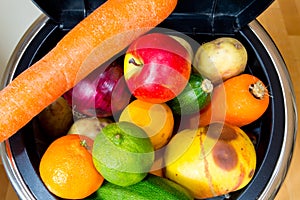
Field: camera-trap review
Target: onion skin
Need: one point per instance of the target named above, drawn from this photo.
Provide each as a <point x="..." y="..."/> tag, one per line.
<point x="102" y="93"/>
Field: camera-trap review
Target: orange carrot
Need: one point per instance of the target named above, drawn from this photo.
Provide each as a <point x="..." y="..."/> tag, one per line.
<point x="97" y="38"/>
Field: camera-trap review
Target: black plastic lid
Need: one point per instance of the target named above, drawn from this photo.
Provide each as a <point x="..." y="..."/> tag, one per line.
<point x="67" y="13"/>
<point x="204" y="16"/>
<point x="217" y="16"/>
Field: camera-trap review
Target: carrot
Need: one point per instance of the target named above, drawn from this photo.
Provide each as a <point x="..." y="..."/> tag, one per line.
<point x="97" y="38"/>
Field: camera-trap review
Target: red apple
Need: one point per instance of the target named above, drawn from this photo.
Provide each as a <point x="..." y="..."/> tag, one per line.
<point x="156" y="68"/>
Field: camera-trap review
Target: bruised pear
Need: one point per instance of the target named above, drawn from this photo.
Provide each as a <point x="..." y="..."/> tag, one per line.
<point x="56" y="119"/>
<point x="211" y="161"/>
<point x="220" y="59"/>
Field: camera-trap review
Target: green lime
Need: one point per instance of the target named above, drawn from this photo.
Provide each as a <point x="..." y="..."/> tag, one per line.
<point x="123" y="153"/>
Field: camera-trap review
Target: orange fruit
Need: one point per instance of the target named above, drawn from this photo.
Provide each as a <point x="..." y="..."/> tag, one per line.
<point x="239" y="101"/>
<point x="67" y="168"/>
<point x="155" y="119"/>
<point x="158" y="165"/>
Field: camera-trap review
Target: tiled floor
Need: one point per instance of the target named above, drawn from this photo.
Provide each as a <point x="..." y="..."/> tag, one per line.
<point x="282" y="21"/>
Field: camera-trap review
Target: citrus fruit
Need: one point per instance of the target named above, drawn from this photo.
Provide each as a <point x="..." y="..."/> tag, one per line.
<point x="123" y="153"/>
<point x="155" y="119"/>
<point x="67" y="168"/>
<point x="212" y="160"/>
<point x="158" y="164"/>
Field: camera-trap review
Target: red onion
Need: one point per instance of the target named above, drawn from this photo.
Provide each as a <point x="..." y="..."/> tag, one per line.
<point x="102" y="93"/>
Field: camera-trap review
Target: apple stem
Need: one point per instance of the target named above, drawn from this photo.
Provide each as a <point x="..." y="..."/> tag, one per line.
<point x="132" y="61"/>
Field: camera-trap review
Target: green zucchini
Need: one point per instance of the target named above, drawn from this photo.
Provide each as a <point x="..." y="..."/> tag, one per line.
<point x="151" y="188"/>
<point x="195" y="96"/>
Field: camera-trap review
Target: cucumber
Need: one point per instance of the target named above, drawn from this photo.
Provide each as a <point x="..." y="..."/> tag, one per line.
<point x="151" y="188"/>
<point x="195" y="96"/>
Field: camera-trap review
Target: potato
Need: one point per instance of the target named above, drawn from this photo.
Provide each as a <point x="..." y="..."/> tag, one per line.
<point x="89" y="126"/>
<point x="212" y="160"/>
<point x="220" y="59"/>
<point x="56" y="119"/>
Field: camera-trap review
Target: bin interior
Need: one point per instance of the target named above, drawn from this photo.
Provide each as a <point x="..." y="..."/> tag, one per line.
<point x="29" y="144"/>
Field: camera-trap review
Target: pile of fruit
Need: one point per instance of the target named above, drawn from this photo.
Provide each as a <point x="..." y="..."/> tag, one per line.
<point x="164" y="120"/>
